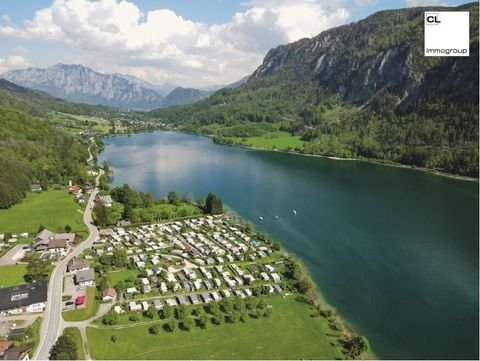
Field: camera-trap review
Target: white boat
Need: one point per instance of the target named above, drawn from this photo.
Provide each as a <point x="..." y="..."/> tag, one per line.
<point x="294" y="211"/>
<point x="276" y="217"/>
<point x="261" y="218"/>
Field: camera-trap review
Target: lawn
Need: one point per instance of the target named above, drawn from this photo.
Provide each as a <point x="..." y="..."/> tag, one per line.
<point x="53" y="209"/>
<point x="290" y="333"/>
<point x="83" y="314"/>
<point x="276" y="140"/>
<point x="12" y="275"/>
<point x="74" y="334"/>
<point x="117" y="276"/>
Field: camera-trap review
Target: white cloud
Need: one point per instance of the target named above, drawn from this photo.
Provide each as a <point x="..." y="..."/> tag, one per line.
<point x="114" y="35"/>
<point x="362" y="3"/>
<point x="414" y="3"/>
<point x="13" y="62"/>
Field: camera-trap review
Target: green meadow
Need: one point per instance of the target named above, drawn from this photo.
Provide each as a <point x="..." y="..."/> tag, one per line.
<point x="12" y="275"/>
<point x="53" y="209"/>
<point x="290" y="333"/>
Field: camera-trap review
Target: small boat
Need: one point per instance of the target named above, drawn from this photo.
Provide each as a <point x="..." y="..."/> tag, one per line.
<point x="276" y="217"/>
<point x="261" y="218"/>
<point x="294" y="211"/>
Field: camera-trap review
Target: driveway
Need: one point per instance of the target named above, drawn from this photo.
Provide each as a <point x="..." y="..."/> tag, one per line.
<point x="13" y="256"/>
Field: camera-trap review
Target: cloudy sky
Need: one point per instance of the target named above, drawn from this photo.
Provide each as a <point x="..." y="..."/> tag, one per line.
<point x="186" y="42"/>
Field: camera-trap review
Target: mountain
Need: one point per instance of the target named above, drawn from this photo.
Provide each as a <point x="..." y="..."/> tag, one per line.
<point x="179" y="96"/>
<point x="214" y="88"/>
<point x="162" y="89"/>
<point x="361" y="90"/>
<point x="80" y="84"/>
<point x="40" y="104"/>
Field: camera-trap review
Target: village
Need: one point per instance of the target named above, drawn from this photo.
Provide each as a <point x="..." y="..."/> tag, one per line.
<point x="185" y="262"/>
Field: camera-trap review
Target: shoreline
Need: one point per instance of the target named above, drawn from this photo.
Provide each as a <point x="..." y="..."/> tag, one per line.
<point x="365" y="160"/>
<point x="347" y="329"/>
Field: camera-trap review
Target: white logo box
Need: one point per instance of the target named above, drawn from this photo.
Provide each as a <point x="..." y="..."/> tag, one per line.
<point x="447" y="33"/>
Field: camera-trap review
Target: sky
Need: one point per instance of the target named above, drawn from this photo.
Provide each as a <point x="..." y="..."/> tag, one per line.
<point x="194" y="43"/>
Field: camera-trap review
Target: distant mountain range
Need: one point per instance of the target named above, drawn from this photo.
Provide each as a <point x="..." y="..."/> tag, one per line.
<point x="80" y="84"/>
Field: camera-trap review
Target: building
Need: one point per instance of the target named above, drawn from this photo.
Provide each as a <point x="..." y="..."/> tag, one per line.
<point x="193" y="299"/>
<point x="109" y="294"/>
<point x="47" y="241"/>
<point x="76" y="264"/>
<point x="133" y="306"/>
<point x="105" y="200"/>
<point x="36" y="187"/>
<point x="30" y="297"/>
<point x="8" y="351"/>
<point x="158" y="304"/>
<point x="85" y="278"/>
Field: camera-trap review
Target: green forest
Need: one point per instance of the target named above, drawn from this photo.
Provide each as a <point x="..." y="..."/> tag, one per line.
<point x="32" y="150"/>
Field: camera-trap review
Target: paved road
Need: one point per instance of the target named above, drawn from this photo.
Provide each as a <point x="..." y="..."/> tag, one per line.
<point x="52" y="320"/>
<point x="13" y="255"/>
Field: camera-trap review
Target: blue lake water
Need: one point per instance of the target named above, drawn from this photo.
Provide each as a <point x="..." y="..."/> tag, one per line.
<point x="394" y="250"/>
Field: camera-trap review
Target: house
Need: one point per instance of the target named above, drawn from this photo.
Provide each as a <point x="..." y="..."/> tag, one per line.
<point x="8" y="351"/>
<point x="35" y="187"/>
<point x="275" y="277"/>
<point x="158" y="304"/>
<point x="193" y="299"/>
<point x="85" y="278"/>
<point x="181" y="300"/>
<point x="4" y="346"/>
<point x="133" y="306"/>
<point x="47" y="241"/>
<point x="76" y="264"/>
<point x="205" y="297"/>
<point x="30" y="297"/>
<point x="123" y="223"/>
<point x="75" y="189"/>
<point x="215" y="296"/>
<point x="226" y="293"/>
<point x="145" y="305"/>
<point x="171" y="302"/>
<point x="277" y="288"/>
<point x="109" y="294"/>
<point x="105" y="200"/>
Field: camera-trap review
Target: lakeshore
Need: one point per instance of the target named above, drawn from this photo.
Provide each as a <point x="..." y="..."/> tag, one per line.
<point x="163" y="161"/>
<point x="368" y="160"/>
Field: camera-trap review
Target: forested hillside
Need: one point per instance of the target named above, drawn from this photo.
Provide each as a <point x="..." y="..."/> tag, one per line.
<point x="33" y="150"/>
<point x="362" y="90"/>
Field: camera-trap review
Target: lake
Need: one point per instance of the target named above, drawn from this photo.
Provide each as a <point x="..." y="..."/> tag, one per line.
<point x="394" y="250"/>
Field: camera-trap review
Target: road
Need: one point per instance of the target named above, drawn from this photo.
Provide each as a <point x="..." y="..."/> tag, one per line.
<point x="52" y="323"/>
<point x="13" y="256"/>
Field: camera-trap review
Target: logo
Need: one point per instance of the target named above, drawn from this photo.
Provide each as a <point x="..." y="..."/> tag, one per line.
<point x="449" y="35"/>
<point x="432" y="19"/>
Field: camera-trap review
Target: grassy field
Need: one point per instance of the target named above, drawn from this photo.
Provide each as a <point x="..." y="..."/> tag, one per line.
<point x="12" y="275"/>
<point x="82" y="314"/>
<point x="290" y="333"/>
<point x="74" y="334"/>
<point x="277" y="140"/>
<point x="54" y="209"/>
<point x="117" y="276"/>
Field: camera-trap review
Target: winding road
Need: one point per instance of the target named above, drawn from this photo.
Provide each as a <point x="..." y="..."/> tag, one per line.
<point x="52" y="324"/>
